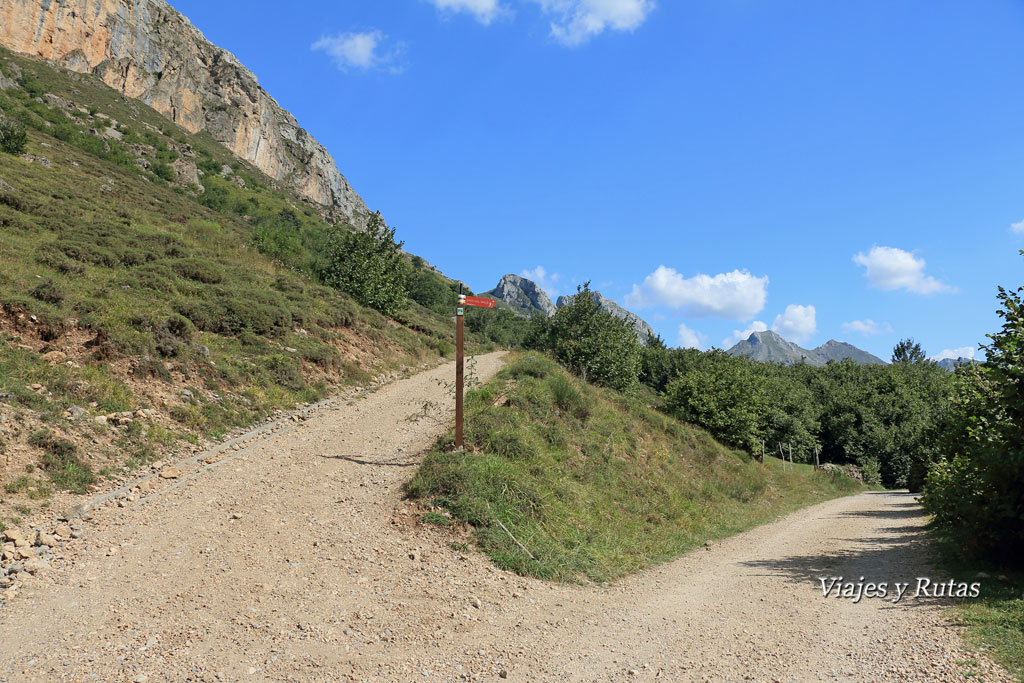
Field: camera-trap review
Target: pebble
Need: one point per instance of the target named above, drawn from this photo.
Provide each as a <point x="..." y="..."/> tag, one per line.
<point x="44" y="539"/>
<point x="35" y="565"/>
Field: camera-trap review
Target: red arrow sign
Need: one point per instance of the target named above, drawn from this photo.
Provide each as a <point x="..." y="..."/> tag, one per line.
<point x="480" y="302"/>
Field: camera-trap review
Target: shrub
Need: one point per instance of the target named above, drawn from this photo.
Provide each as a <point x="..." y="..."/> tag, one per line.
<point x="163" y="170"/>
<point x="61" y="461"/>
<point x="49" y="291"/>
<point x="568" y="398"/>
<point x="172" y="334"/>
<point x="723" y="395"/>
<point x="430" y="290"/>
<point x="30" y="85"/>
<point x="366" y="264"/>
<point x="50" y="255"/>
<point x="13" y="138"/>
<point x="530" y="365"/>
<point x="976" y="491"/>
<point x="198" y="269"/>
<point x="598" y="346"/>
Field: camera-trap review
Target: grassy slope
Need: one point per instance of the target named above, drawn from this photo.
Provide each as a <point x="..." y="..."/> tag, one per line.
<point x="148" y="288"/>
<point x="995" y="620"/>
<point x="596" y="484"/>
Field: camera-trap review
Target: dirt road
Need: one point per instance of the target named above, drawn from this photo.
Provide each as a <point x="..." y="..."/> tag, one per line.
<point x="298" y="560"/>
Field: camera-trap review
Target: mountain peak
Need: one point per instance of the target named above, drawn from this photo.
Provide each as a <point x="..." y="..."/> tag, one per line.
<point x="522" y="296"/>
<point x="767" y="346"/>
<point x="763" y="336"/>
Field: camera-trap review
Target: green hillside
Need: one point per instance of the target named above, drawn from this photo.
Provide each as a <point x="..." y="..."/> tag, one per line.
<point x="596" y="483"/>
<point x="125" y="287"/>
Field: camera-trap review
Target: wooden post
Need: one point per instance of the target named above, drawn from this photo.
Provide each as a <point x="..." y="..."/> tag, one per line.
<point x="791" y="454"/>
<point x="762" y="451"/>
<point x="817" y="465"/>
<point x="782" y="456"/>
<point x="459" y="366"/>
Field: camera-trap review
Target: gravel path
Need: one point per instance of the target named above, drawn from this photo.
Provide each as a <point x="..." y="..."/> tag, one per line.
<point x="298" y="560"/>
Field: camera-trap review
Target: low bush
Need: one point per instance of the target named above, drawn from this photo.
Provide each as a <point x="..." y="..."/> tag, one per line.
<point x="13" y="138"/>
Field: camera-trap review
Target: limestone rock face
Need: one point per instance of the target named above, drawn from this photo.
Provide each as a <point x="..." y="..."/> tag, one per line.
<point x="149" y="51"/>
<point x="522" y="296"/>
<point x="643" y="330"/>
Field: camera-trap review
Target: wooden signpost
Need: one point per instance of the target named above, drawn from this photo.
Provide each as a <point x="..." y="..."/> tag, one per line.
<point x="460" y="378"/>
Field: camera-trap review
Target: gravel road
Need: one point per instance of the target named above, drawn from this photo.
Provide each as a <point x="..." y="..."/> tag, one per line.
<point x="298" y="560"/>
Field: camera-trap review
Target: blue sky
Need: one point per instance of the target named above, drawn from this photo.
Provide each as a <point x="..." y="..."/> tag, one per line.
<point x="837" y="170"/>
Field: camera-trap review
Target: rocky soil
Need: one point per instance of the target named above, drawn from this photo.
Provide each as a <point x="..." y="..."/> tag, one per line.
<point x="294" y="557"/>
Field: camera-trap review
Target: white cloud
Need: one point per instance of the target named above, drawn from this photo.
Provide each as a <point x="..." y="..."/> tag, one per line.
<point x="1017" y="227"/>
<point x="361" y="51"/>
<point x="549" y="282"/>
<point x="797" y="323"/>
<point x="691" y="339"/>
<point x="737" y="295"/>
<point x="891" y="268"/>
<point x="867" y="327"/>
<point x="739" y="335"/>
<point x="577" y="21"/>
<point x="484" y="11"/>
<point x="962" y="352"/>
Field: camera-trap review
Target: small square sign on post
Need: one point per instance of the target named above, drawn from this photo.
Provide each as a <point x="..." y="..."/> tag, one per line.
<point x="460" y="314"/>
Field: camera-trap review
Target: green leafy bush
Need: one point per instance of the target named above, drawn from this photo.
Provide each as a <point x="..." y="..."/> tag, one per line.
<point x="13" y="138"/>
<point x="725" y="396"/>
<point x="163" y="170"/>
<point x="596" y="345"/>
<point x="368" y="265"/>
<point x="430" y="289"/>
<point x="976" y="491"/>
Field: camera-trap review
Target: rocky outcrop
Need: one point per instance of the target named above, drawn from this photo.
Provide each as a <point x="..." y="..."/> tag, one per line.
<point x="643" y="330"/>
<point x="148" y="50"/>
<point x="522" y="296"/>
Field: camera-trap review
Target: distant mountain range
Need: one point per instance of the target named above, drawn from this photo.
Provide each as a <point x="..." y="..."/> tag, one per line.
<point x="525" y="297"/>
<point x="769" y="347"/>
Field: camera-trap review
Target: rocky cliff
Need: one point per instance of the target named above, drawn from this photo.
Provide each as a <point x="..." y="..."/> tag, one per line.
<point x="522" y="296"/>
<point x="149" y="51"/>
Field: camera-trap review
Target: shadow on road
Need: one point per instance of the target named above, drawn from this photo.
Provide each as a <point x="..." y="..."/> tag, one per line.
<point x="886" y="554"/>
<point x="373" y="463"/>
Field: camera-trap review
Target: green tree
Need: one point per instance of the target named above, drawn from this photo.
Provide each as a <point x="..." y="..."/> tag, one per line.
<point x="429" y="289"/>
<point x="593" y="343"/>
<point x="976" y="491"/>
<point x="908" y="351"/>
<point x="13" y="138"/>
<point x="724" y="395"/>
<point x="367" y="264"/>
